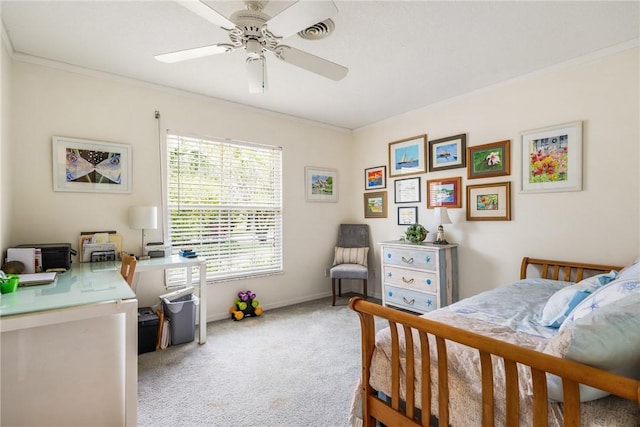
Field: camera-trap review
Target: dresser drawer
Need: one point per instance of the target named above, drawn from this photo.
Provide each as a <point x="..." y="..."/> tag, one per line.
<point x="411" y="300"/>
<point x="419" y="259"/>
<point x="420" y="280"/>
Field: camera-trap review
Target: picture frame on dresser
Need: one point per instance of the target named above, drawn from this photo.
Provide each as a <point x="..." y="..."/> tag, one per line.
<point x="489" y="160"/>
<point x="489" y="202"/>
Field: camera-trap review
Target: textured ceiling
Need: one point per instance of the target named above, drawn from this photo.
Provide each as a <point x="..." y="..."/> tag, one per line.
<point x="401" y="55"/>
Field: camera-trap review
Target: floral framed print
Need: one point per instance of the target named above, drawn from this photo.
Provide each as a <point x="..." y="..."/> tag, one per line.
<point x="448" y="153"/>
<point x="407" y="215"/>
<point x="489" y="202"/>
<point x="375" y="178"/>
<point x="552" y="158"/>
<point x="90" y="166"/>
<point x="407" y="190"/>
<point x="375" y="204"/>
<point x="444" y="192"/>
<point x="408" y="156"/>
<point x="488" y="160"/>
<point x="321" y="184"/>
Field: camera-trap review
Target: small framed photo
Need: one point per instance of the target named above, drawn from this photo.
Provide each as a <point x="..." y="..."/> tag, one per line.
<point x="448" y="153"/>
<point x="444" y="192"/>
<point x="489" y="160"/>
<point x="552" y="159"/>
<point x="407" y="215"/>
<point x="321" y="184"/>
<point x="90" y="166"/>
<point x="489" y="202"/>
<point x="408" y="156"/>
<point x="407" y="190"/>
<point x="375" y="178"/>
<point x="375" y="204"/>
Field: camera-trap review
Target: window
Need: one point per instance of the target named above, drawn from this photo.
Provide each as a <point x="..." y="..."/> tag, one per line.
<point x="225" y="202"/>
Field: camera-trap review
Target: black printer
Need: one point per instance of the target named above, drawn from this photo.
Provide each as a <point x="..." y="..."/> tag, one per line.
<point x="54" y="255"/>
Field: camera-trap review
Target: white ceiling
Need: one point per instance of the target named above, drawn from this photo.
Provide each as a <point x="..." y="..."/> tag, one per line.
<point x="401" y="55"/>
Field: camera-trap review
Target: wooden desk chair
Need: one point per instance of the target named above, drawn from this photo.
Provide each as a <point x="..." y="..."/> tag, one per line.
<point x="128" y="268"/>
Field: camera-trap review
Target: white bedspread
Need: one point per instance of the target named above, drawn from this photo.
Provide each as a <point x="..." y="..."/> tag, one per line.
<point x="509" y="314"/>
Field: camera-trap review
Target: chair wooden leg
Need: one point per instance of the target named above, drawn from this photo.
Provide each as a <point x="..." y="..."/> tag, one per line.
<point x="365" y="288"/>
<point x="333" y="291"/>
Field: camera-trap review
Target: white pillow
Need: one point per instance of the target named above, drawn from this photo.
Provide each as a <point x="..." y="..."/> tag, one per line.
<point x="350" y="256"/>
<point x="606" y="339"/>
<point x="631" y="271"/>
<point x="604" y="296"/>
<point x="566" y="299"/>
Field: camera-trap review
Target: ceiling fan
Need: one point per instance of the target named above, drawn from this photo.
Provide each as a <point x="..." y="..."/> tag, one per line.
<point x="259" y="33"/>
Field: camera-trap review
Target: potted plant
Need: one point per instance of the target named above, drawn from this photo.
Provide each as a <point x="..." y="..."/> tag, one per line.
<point x="416" y="233"/>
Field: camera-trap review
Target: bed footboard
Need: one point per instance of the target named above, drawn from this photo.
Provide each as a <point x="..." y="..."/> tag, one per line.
<point x="401" y="411"/>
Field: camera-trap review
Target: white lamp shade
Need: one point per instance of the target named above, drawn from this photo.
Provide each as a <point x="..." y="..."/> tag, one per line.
<point x="441" y="216"/>
<point x="143" y="217"/>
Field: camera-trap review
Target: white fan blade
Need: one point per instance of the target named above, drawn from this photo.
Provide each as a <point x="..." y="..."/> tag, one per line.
<point x="208" y="13"/>
<point x="257" y="75"/>
<point x="310" y="62"/>
<point x="196" y="52"/>
<point x="299" y="16"/>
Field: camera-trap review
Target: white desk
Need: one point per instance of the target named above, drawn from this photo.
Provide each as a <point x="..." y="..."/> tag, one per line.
<point x="176" y="261"/>
<point x="69" y="350"/>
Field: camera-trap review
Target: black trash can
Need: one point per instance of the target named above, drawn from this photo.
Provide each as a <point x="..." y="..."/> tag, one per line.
<point x="147" y="330"/>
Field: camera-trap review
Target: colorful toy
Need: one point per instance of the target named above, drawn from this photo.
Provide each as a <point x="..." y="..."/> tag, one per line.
<point x="245" y="305"/>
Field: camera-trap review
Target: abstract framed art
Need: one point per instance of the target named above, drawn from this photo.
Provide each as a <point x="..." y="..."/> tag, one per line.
<point x="321" y="184"/>
<point x="489" y="202"/>
<point x="83" y="165"/>
<point x="375" y="178"/>
<point x="408" y="156"/>
<point x="552" y="159"/>
<point x="487" y="160"/>
<point x="448" y="153"/>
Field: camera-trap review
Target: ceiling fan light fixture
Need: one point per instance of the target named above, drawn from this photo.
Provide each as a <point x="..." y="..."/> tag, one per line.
<point x="257" y="75"/>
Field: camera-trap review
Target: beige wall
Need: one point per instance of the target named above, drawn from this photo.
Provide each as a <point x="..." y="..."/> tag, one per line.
<point x="5" y="171"/>
<point x="598" y="224"/>
<point x="51" y="102"/>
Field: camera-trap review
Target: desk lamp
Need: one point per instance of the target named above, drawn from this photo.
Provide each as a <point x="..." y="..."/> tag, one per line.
<point x="441" y="217"/>
<point x="141" y="218"/>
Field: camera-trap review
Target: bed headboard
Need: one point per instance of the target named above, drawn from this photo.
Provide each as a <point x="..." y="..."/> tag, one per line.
<point x="561" y="270"/>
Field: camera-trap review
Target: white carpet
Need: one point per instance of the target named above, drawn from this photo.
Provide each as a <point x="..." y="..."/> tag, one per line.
<point x="294" y="366"/>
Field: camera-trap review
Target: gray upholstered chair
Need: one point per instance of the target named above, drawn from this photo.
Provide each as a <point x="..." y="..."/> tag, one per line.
<point x="350" y="260"/>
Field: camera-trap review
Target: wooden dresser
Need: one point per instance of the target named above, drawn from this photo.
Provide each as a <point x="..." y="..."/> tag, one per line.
<point x="419" y="278"/>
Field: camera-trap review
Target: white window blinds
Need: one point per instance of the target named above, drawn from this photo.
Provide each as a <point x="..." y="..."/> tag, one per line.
<point x="225" y="202"/>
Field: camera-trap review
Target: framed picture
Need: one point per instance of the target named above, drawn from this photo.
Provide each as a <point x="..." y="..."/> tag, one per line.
<point x="444" y="192"/>
<point x="408" y="156"/>
<point x="488" y="160"/>
<point x="448" y="153"/>
<point x="90" y="166"/>
<point x="375" y="204"/>
<point x="489" y="202"/>
<point x="552" y="158"/>
<point x="321" y="184"/>
<point x="407" y="190"/>
<point x="375" y="178"/>
<point x="407" y="215"/>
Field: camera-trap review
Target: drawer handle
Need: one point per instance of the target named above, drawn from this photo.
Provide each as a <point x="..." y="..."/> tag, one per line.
<point x="406" y="301"/>
<point x="408" y="261"/>
<point x="407" y="281"/>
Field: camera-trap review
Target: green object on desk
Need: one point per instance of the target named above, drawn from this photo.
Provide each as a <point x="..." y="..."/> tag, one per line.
<point x="9" y="283"/>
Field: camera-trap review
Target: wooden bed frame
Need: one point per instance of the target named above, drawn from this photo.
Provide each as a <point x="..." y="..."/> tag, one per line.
<point x="402" y="411"/>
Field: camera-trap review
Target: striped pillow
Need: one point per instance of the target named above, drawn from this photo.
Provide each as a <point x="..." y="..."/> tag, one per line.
<point x="351" y="256"/>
